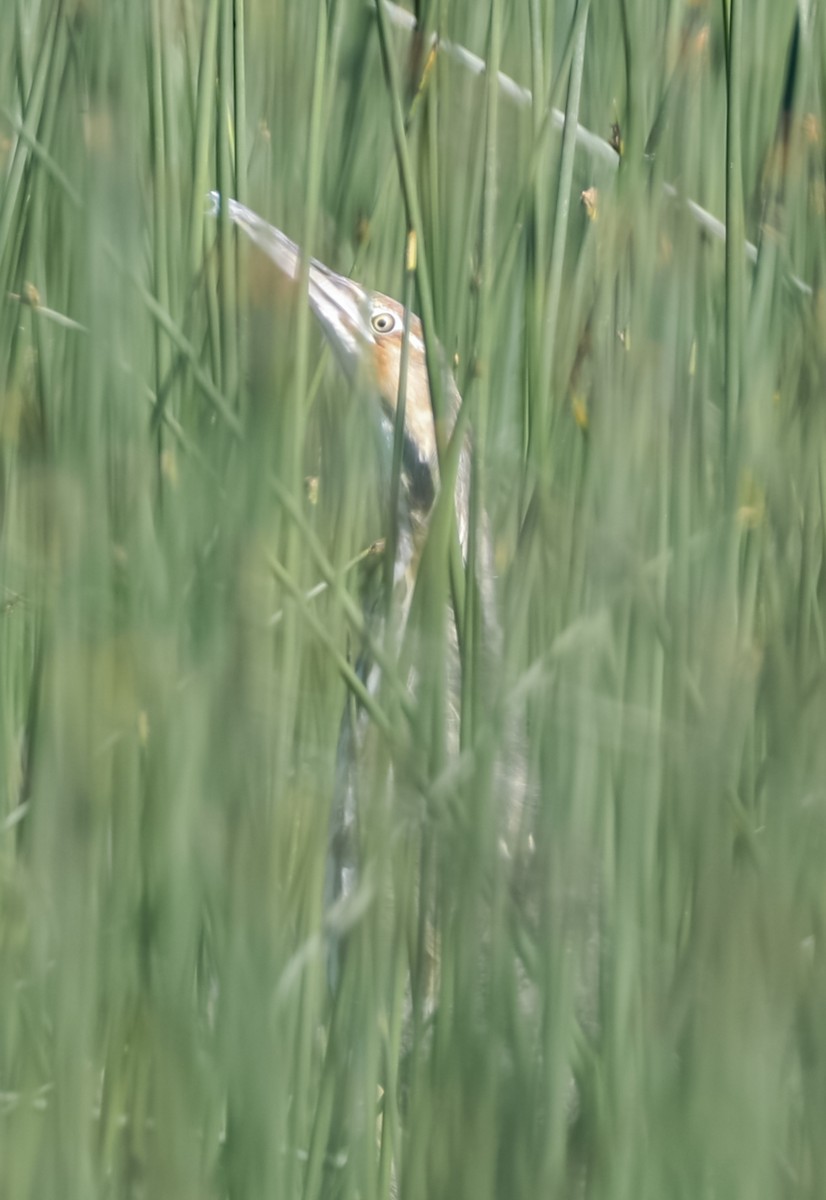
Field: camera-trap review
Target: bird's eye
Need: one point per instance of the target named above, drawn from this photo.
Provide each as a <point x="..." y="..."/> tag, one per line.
<point x="383" y="322"/>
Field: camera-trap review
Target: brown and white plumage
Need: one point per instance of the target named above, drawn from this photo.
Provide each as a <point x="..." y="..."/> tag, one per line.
<point x="366" y="332"/>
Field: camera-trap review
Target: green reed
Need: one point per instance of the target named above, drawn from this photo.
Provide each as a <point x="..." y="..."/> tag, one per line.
<point x="583" y="954"/>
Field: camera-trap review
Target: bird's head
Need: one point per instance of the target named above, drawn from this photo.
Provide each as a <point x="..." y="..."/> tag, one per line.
<point x="366" y="331"/>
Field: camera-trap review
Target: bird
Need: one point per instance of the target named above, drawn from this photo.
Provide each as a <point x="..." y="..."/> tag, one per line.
<point x="365" y="330"/>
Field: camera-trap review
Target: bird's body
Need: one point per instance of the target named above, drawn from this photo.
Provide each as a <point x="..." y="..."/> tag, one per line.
<point x="366" y="332"/>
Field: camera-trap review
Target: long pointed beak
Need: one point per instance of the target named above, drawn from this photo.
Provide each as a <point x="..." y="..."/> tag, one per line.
<point x="339" y="304"/>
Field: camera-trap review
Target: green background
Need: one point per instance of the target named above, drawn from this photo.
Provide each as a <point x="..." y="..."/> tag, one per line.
<point x="585" y="955"/>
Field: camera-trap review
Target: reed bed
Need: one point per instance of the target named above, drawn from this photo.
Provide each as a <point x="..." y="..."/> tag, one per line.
<point x="592" y="966"/>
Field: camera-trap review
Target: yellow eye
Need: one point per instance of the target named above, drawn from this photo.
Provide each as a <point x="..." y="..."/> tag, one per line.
<point x="383" y="321"/>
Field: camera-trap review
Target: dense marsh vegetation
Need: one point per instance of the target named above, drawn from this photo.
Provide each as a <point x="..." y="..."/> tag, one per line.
<point x="613" y="988"/>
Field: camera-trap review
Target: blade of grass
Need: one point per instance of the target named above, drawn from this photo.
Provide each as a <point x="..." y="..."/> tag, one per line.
<point x="433" y="354"/>
<point x="543" y="414"/>
<point x="735" y="277"/>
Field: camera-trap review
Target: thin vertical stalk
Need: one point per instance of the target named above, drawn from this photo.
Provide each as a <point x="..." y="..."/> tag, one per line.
<point x="226" y="145"/>
<point x="308" y="235"/>
<point x="538" y="194"/>
<point x="204" y="116"/>
<point x="484" y="357"/>
<point x="487" y="263"/>
<point x="432" y="349"/>
<point x="391" y="542"/>
<point x="299" y="1117"/>
<point x="239" y="77"/>
<point x="160" y="212"/>
<point x="414" y="221"/>
<point x="24" y="66"/>
<point x="735" y="282"/>
<point x="563" y="203"/>
<point x="479" y="796"/>
<point x="49" y="64"/>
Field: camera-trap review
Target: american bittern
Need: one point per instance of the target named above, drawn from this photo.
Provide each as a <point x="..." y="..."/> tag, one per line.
<point x="366" y="330"/>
